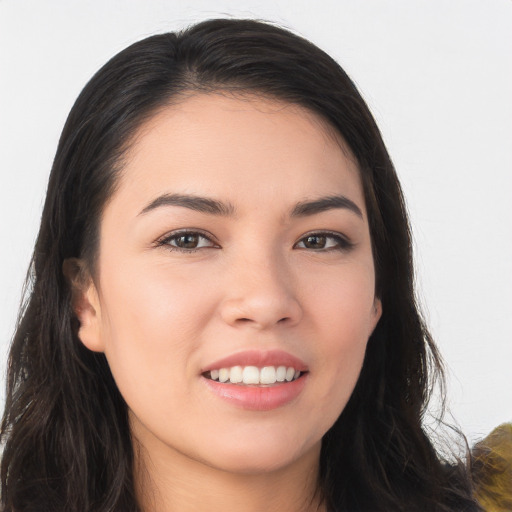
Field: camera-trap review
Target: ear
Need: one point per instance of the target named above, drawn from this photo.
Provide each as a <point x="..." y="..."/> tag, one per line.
<point x="85" y="303"/>
<point x="376" y="314"/>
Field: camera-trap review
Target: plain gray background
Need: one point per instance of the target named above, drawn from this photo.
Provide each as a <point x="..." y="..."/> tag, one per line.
<point x="438" y="78"/>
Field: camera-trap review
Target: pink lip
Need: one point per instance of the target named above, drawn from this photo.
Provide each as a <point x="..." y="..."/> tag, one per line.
<point x="258" y="398"/>
<point x="258" y="358"/>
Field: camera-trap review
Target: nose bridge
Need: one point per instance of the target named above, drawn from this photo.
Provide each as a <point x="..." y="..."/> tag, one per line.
<point x="260" y="291"/>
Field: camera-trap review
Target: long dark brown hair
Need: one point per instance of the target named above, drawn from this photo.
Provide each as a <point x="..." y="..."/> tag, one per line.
<point x="65" y="428"/>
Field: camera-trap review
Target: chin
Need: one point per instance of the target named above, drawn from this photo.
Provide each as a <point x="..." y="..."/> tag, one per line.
<point x="261" y="453"/>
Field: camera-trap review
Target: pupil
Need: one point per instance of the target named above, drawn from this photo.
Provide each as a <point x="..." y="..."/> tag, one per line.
<point x="315" y="242"/>
<point x="187" y="241"/>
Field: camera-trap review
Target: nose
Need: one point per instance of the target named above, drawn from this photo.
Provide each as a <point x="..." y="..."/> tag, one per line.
<point x="260" y="295"/>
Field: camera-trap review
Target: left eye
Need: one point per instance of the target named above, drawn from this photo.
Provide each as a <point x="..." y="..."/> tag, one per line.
<point x="187" y="241"/>
<point x="323" y="241"/>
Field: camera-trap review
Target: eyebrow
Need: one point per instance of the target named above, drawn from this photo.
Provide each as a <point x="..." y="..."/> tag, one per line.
<point x="305" y="208"/>
<point x="200" y="204"/>
<point x="214" y="207"/>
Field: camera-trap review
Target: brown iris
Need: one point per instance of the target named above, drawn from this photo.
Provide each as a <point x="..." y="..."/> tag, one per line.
<point x="315" y="242"/>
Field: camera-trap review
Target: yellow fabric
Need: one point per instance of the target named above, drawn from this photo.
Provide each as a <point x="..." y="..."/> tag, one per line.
<point x="492" y="470"/>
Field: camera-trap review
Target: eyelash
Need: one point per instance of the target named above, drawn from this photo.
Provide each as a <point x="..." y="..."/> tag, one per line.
<point x="341" y="242"/>
<point x="165" y="241"/>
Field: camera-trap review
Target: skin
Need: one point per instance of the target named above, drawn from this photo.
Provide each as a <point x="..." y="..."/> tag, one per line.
<point x="161" y="315"/>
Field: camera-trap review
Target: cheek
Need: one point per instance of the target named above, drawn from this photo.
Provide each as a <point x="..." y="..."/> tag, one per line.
<point x="344" y="317"/>
<point x="343" y="304"/>
<point x="151" y="323"/>
<point x="151" y="303"/>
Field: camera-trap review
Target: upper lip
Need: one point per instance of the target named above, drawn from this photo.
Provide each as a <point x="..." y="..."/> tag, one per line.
<point x="258" y="358"/>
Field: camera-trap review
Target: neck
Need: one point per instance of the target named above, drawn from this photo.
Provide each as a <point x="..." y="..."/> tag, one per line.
<point x="170" y="482"/>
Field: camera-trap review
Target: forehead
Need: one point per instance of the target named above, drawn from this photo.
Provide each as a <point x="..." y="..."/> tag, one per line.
<point x="218" y="143"/>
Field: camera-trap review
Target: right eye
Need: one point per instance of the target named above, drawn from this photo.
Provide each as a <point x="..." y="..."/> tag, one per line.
<point x="186" y="241"/>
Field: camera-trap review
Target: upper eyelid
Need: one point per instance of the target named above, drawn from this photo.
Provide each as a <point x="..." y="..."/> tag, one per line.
<point x="322" y="232"/>
<point x="334" y="234"/>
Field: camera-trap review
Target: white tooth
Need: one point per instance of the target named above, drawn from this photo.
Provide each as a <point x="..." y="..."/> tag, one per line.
<point x="235" y="375"/>
<point x="223" y="374"/>
<point x="281" y="373"/>
<point x="297" y="375"/>
<point x="290" y="372"/>
<point x="214" y="374"/>
<point x="251" y="375"/>
<point x="268" y="375"/>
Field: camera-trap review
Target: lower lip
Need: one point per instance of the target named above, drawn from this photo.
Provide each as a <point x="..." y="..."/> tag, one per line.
<point x="256" y="398"/>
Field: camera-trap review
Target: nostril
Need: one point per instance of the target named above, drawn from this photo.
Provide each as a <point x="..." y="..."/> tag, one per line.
<point x="260" y="311"/>
<point x="249" y="320"/>
<point x="281" y="320"/>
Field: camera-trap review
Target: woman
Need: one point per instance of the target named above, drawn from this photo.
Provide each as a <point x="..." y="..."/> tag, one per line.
<point x="221" y="309"/>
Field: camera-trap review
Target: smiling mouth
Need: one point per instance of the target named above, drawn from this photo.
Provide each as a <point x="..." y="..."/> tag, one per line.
<point x="253" y="375"/>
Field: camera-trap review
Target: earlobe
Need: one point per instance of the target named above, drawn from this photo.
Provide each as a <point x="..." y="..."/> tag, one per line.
<point x="85" y="303"/>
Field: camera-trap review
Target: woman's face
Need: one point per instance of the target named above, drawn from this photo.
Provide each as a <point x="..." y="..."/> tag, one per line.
<point x="236" y="246"/>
